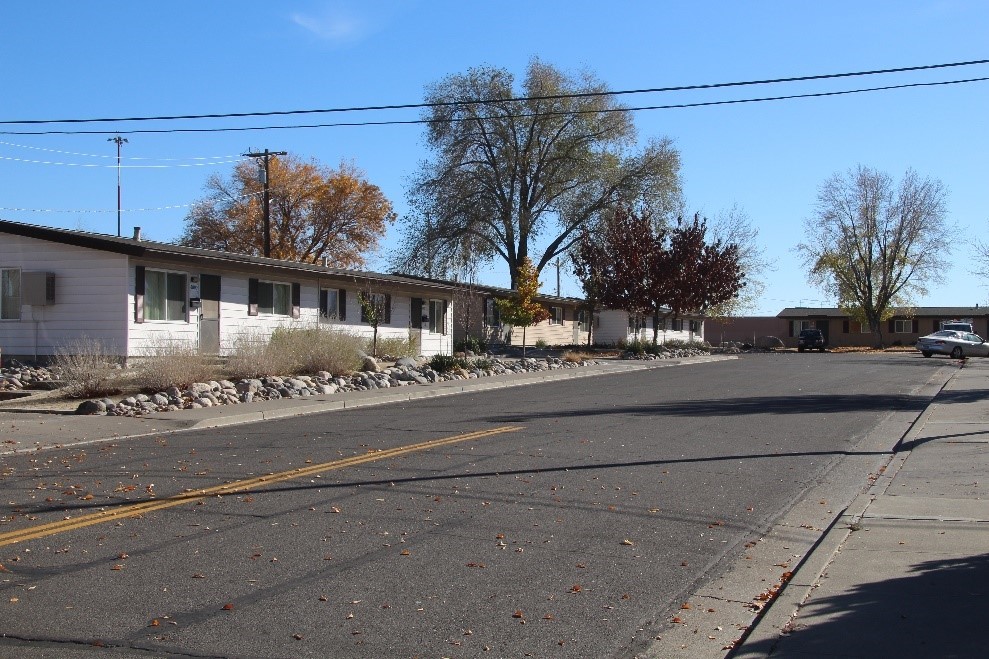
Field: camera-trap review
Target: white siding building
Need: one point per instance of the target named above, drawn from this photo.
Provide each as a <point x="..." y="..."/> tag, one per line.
<point x="57" y="286"/>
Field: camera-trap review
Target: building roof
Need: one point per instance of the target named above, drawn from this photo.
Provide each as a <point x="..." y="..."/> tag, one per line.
<point x="149" y="249"/>
<point x="903" y="312"/>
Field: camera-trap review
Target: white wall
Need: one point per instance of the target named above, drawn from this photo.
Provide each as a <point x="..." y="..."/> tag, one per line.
<point x="613" y="328"/>
<point x="90" y="297"/>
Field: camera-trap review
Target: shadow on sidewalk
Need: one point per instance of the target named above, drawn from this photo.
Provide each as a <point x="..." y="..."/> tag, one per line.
<point x="937" y="610"/>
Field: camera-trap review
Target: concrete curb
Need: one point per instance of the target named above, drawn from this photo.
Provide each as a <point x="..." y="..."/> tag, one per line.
<point x="366" y="399"/>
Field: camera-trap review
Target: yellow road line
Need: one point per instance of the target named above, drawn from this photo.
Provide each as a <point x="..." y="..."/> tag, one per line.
<point x="124" y="510"/>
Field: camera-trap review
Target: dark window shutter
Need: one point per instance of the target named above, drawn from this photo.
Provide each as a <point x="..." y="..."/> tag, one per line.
<point x="342" y="305"/>
<point x="937" y="324"/>
<point x="324" y="302"/>
<point x="296" y="300"/>
<point x="387" y="309"/>
<point x="252" y="297"/>
<point x="361" y="299"/>
<point x="415" y="316"/>
<point x="844" y="327"/>
<point x="916" y="326"/>
<point x="444" y="316"/>
<point x="789" y="328"/>
<point x="139" y="294"/>
<point x="892" y="326"/>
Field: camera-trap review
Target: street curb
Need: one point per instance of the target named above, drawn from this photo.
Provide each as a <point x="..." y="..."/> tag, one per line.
<point x="485" y="384"/>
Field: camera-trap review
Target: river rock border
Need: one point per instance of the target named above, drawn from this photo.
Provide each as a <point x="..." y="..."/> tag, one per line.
<point x="405" y="372"/>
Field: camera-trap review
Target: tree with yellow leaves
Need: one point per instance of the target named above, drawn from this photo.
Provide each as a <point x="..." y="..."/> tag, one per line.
<point x="315" y="212"/>
<point x="520" y="310"/>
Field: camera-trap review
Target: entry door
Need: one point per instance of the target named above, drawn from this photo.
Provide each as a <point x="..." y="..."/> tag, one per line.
<point x="209" y="317"/>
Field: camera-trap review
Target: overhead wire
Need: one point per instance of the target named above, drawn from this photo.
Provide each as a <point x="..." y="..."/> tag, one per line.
<point x="108" y="156"/>
<point x="402" y="122"/>
<point x="408" y="106"/>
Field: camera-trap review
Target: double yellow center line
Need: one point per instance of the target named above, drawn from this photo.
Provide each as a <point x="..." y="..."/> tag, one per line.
<point x="124" y="510"/>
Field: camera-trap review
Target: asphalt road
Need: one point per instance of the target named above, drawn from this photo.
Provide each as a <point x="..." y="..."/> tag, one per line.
<point x="565" y="519"/>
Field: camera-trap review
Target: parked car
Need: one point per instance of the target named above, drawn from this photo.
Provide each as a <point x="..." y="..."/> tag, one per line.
<point x="954" y="343"/>
<point x="811" y="339"/>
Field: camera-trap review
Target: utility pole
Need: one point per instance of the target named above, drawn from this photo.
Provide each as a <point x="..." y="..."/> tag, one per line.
<point x="120" y="141"/>
<point x="265" y="203"/>
<point x="557" y="263"/>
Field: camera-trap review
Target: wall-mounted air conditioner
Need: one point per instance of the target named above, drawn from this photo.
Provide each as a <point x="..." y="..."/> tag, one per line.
<point x="38" y="288"/>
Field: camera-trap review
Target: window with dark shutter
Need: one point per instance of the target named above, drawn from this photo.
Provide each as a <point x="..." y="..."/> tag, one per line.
<point x="415" y="315"/>
<point x="296" y="300"/>
<point x="252" y="297"/>
<point x="139" y="294"/>
<point x="342" y="305"/>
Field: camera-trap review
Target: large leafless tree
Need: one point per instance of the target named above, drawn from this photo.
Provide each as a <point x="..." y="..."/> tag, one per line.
<point x="520" y="169"/>
<point x="874" y="243"/>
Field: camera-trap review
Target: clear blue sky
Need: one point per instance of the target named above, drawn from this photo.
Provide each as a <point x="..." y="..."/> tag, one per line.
<point x="69" y="59"/>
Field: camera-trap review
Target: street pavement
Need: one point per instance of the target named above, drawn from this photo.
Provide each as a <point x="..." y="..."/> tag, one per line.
<point x="901" y="572"/>
<point x="904" y="570"/>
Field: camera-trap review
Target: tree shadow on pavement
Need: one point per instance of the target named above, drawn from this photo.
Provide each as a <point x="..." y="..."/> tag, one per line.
<point x="806" y="404"/>
<point x="937" y="610"/>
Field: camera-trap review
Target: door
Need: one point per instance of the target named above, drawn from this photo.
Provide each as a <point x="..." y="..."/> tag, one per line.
<point x="209" y="316"/>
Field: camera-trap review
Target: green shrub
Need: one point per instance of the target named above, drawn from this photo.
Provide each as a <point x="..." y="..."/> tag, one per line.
<point x="541" y="343"/>
<point x="172" y="364"/>
<point x="446" y="363"/>
<point x="89" y="368"/>
<point x="482" y="363"/>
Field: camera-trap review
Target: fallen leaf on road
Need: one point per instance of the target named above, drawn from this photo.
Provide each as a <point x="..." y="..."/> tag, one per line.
<point x="517" y="614"/>
<point x="626" y="541"/>
<point x="228" y="607"/>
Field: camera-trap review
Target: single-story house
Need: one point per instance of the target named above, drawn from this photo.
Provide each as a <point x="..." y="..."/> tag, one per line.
<point x="616" y="327"/>
<point x="59" y="285"/>
<point x="904" y="328"/>
<point x="744" y="329"/>
<point x="476" y="315"/>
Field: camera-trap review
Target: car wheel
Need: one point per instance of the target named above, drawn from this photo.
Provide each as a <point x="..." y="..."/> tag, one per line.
<point x="956" y="353"/>
<point x="822" y="349"/>
<point x="800" y="349"/>
<point x="927" y="353"/>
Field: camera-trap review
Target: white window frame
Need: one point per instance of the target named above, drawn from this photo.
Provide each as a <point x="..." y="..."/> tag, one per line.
<point x="10" y="305"/>
<point x="437" y="319"/>
<point x="898" y="325"/>
<point x="150" y="292"/>
<point x="492" y="316"/>
<point x="272" y="311"/>
<point x="332" y="295"/>
<point x="583" y="321"/>
<point x="556" y="315"/>
<point x="800" y="325"/>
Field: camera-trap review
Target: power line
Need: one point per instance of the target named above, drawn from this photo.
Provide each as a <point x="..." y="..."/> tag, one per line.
<point x="409" y="106"/>
<point x="110" y="210"/>
<point x="105" y="156"/>
<point x="408" y="122"/>
<point x="100" y="165"/>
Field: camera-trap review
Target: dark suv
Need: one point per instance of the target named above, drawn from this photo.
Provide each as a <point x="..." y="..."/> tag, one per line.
<point x="810" y="339"/>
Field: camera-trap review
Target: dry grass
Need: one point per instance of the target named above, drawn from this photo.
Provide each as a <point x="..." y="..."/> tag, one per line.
<point x="172" y="364"/>
<point x="576" y="357"/>
<point x="397" y="347"/>
<point x="90" y="368"/>
<point x="296" y="350"/>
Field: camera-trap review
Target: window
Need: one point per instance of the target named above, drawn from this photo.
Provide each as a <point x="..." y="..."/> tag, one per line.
<point x="10" y="294"/>
<point x="903" y="326"/>
<point x="695" y="326"/>
<point x="379" y="302"/>
<point x="437" y="316"/>
<point x="636" y="323"/>
<point x="676" y="324"/>
<point x="164" y="295"/>
<point x="329" y="304"/>
<point x="275" y="299"/>
<point x="797" y="325"/>
<point x="492" y="315"/>
<point x="583" y="321"/>
<point x="556" y="315"/>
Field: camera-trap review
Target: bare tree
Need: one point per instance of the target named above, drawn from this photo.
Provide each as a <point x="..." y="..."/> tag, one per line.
<point x="733" y="227"/>
<point x="874" y="244"/>
<point x="515" y="168"/>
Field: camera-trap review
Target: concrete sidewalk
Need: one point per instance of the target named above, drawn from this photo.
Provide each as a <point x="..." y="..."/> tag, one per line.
<point x="28" y="430"/>
<point x="904" y="571"/>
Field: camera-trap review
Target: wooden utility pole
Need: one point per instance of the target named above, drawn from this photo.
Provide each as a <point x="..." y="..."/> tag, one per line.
<point x="265" y="202"/>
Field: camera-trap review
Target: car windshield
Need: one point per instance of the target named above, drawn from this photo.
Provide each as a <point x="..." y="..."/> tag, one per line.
<point x="812" y="332"/>
<point x="945" y="333"/>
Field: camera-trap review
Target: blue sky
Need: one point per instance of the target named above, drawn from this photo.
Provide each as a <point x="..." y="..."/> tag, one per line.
<point x="68" y="59"/>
